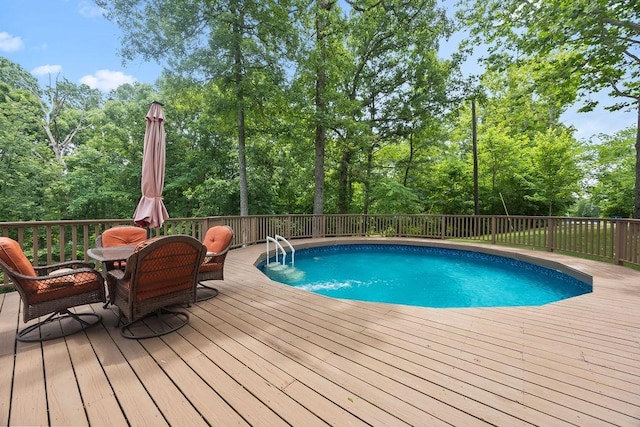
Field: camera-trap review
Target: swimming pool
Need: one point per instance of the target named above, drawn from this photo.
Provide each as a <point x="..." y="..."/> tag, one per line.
<point x="423" y="276"/>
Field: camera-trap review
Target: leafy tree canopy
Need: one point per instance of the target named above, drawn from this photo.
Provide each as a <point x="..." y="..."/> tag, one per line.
<point x="595" y="40"/>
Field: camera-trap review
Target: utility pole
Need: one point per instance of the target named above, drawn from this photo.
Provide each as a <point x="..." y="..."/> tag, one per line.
<point x="474" y="137"/>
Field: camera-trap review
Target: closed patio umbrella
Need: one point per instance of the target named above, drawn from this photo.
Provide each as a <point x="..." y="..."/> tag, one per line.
<point x="151" y="211"/>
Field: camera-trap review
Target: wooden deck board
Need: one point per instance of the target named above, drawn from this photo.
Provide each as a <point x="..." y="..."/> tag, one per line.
<point x="204" y="398"/>
<point x="9" y="308"/>
<point x="160" y="388"/>
<point x="138" y="407"/>
<point x="28" y="398"/>
<point x="63" y="397"/>
<point x="299" y="365"/>
<point x="266" y="392"/>
<point x="340" y="345"/>
<point x="266" y="354"/>
<point x="100" y="402"/>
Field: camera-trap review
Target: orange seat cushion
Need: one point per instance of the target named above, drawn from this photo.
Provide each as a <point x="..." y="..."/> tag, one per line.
<point x="120" y="236"/>
<point x="65" y="286"/>
<point x="217" y="238"/>
<point x="12" y="255"/>
<point x="47" y="288"/>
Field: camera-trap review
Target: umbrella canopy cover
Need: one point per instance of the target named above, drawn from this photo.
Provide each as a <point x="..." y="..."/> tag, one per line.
<point x="151" y="211"/>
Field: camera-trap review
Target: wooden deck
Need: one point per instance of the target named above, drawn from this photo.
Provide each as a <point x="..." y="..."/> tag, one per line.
<point x="265" y="354"/>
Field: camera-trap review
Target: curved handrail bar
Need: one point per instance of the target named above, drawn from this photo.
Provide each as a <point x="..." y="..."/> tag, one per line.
<point x="277" y="245"/>
<point x="293" y="251"/>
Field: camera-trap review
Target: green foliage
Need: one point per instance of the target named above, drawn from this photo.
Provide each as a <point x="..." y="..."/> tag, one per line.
<point x="611" y="172"/>
<point x="446" y="186"/>
<point x="15" y="77"/>
<point x="391" y="196"/>
<point x="241" y="102"/>
<point x="595" y="43"/>
<point x="27" y="169"/>
<point x="585" y="209"/>
<point x="556" y="176"/>
<point x="600" y="33"/>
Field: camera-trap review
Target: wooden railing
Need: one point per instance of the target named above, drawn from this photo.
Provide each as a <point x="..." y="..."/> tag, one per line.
<point x="608" y="239"/>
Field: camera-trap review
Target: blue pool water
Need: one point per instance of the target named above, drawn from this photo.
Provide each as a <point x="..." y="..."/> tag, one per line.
<point x="423" y="276"/>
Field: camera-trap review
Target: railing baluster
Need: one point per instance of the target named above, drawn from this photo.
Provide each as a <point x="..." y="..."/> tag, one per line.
<point x="616" y="240"/>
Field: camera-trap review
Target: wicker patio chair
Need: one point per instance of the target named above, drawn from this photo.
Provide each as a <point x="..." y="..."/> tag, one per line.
<point x="53" y="290"/>
<point x="162" y="272"/>
<point x="120" y="236"/>
<point x="218" y="242"/>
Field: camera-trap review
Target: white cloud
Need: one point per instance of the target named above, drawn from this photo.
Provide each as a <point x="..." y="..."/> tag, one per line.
<point x="89" y="10"/>
<point x="106" y="80"/>
<point x="9" y="43"/>
<point x="45" y="70"/>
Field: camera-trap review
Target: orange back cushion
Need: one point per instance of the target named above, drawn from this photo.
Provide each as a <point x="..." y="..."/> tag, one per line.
<point x="217" y="238"/>
<point x="119" y="236"/>
<point x="12" y="255"/>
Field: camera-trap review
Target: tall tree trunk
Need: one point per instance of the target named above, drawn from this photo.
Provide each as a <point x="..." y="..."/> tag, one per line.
<point x="367" y="182"/>
<point x="405" y="180"/>
<point x="474" y="137"/>
<point x="242" y="161"/>
<point x="320" y="104"/>
<point x="636" y="204"/>
<point x="321" y="136"/>
<point x="344" y="192"/>
<point x="238" y="77"/>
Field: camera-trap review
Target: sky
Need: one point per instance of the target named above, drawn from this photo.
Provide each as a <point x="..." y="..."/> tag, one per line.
<point x="72" y="38"/>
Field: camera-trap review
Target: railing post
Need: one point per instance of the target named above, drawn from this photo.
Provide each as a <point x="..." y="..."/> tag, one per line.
<point x="253" y="229"/>
<point x="551" y="227"/>
<point x="621" y="240"/>
<point x="494" y="231"/>
<point x="316" y="226"/>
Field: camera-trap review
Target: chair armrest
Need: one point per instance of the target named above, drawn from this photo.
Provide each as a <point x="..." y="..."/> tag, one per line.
<point x="215" y="256"/>
<point x="223" y="252"/>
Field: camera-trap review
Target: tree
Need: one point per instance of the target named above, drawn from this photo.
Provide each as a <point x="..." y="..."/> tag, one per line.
<point x="595" y="41"/>
<point x="322" y="43"/>
<point x="103" y="172"/>
<point x="515" y="120"/>
<point x="556" y="174"/>
<point x="28" y="170"/>
<point x="238" y="44"/>
<point x="612" y="173"/>
<point x="392" y="84"/>
<point x="66" y="111"/>
<point x="65" y="108"/>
